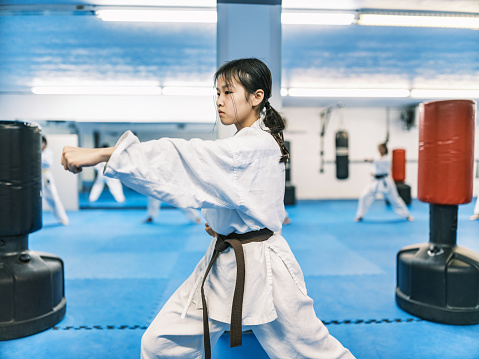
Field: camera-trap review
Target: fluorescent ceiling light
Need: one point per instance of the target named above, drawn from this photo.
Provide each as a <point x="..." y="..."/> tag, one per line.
<point x="317" y="18"/>
<point x="189" y="16"/>
<point x="424" y="93"/>
<point x="188" y="91"/>
<point x="311" y="92"/>
<point x="96" y="90"/>
<point x="170" y="3"/>
<point x="310" y="4"/>
<point x="69" y="82"/>
<point x="284" y="92"/>
<point x="467" y="22"/>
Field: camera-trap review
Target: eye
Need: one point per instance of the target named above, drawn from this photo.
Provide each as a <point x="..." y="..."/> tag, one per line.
<point x="228" y="92"/>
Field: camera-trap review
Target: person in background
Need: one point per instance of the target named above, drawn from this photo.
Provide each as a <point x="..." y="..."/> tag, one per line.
<point x="49" y="189"/>
<point x="382" y="182"/>
<point x="154" y="205"/>
<point x="475" y="216"/>
<point x="114" y="185"/>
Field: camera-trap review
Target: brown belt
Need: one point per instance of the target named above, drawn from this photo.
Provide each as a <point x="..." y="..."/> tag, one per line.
<point x="236" y="241"/>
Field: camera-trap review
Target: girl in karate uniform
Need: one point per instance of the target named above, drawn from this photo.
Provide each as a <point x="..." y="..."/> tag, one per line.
<point x="239" y="185"/>
<point x="114" y="185"/>
<point x="49" y="188"/>
<point x="153" y="207"/>
<point x="382" y="182"/>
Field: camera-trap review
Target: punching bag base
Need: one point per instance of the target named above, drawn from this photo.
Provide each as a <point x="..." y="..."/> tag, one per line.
<point x="32" y="287"/>
<point x="439" y="283"/>
<point x="26" y="328"/>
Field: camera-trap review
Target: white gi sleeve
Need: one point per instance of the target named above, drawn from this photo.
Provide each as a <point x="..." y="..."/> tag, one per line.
<point x="185" y="174"/>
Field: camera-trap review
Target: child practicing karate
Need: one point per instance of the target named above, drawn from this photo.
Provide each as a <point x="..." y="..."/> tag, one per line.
<point x="382" y="182"/>
<point x="248" y="278"/>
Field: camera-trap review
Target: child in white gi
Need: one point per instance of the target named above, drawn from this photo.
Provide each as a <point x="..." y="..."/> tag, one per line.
<point x="239" y="183"/>
<point x="49" y="189"/>
<point x="475" y="216"/>
<point x="381" y="183"/>
<point x="153" y="208"/>
<point x="114" y="185"/>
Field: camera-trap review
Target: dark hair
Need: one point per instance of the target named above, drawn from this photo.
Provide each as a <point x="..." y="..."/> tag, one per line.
<point x="44" y="140"/>
<point x="385" y="146"/>
<point x="253" y="75"/>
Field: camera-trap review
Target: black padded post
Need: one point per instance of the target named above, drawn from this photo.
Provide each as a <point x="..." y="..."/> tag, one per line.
<point x="32" y="295"/>
<point x="439" y="281"/>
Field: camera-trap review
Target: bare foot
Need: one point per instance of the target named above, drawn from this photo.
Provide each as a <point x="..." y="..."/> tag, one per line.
<point x="474" y="217"/>
<point x="410" y="218"/>
<point x="287" y="220"/>
<point x="148" y="220"/>
<point x="358" y="219"/>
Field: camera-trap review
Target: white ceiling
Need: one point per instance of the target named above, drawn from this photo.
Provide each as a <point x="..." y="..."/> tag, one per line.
<point x="58" y="45"/>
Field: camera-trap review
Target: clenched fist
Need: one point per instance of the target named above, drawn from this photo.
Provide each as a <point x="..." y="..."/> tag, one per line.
<point x="75" y="158"/>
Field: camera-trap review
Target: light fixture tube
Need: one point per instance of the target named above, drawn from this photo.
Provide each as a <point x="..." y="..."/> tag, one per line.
<point x="167" y="16"/>
<point x="425" y="93"/>
<point x="432" y="20"/>
<point x="312" y="92"/>
<point x="188" y="91"/>
<point x="95" y="90"/>
<point x="317" y="18"/>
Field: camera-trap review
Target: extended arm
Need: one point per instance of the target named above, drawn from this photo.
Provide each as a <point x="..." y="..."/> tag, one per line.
<point x="75" y="158"/>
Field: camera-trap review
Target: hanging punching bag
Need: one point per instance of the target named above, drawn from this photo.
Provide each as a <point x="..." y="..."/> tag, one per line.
<point x="342" y="154"/>
<point x="32" y="296"/>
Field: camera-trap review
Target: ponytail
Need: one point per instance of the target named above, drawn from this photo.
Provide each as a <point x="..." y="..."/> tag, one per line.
<point x="276" y="125"/>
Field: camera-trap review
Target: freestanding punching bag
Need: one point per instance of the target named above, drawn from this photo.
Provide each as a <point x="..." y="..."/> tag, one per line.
<point x="31" y="283"/>
<point x="439" y="280"/>
<point x="342" y="154"/>
<point x="399" y="174"/>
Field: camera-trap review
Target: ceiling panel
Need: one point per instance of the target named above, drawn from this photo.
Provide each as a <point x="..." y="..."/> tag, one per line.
<point x="63" y="47"/>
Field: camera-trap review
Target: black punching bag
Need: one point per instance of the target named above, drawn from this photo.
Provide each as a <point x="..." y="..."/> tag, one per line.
<point x="31" y="283"/>
<point x="342" y="154"/>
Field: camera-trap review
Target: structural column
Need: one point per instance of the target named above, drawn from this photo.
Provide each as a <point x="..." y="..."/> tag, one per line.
<point x="250" y="29"/>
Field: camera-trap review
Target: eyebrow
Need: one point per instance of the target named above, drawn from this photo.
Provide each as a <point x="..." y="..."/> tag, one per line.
<point x="231" y="86"/>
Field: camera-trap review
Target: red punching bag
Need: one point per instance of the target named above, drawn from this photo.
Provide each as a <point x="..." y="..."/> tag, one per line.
<point x="446" y="152"/>
<point x="399" y="165"/>
<point x="438" y="281"/>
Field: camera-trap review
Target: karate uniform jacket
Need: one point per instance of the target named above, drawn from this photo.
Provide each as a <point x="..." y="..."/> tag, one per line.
<point x="239" y="185"/>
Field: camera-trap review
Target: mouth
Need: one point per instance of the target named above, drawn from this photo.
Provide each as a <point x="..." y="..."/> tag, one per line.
<point x="220" y="113"/>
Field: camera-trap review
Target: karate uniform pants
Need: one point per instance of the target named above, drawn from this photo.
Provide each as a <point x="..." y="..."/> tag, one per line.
<point x="295" y="333"/>
<point x="387" y="187"/>
<point x="153" y="208"/>
<point x="50" y="193"/>
<point x="114" y="185"/>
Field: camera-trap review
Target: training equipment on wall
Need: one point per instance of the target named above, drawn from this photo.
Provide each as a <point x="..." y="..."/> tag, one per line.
<point x="32" y="295"/>
<point x="342" y="154"/>
<point x="341" y="143"/>
<point x="290" y="190"/>
<point x="399" y="174"/>
<point x="439" y="280"/>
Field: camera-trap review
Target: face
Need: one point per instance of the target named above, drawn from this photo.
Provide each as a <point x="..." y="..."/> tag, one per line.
<point x="235" y="106"/>
<point x="381" y="150"/>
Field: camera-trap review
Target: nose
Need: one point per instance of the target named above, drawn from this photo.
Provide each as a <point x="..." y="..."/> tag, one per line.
<point x="219" y="101"/>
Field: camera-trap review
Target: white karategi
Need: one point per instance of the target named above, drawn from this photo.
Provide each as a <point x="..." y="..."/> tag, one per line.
<point x="114" y="185"/>
<point x="476" y="207"/>
<point x="153" y="207"/>
<point x="239" y="184"/>
<point x="384" y="185"/>
<point x="49" y="189"/>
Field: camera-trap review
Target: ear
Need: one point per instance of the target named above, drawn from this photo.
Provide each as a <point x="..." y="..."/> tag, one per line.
<point x="257" y="97"/>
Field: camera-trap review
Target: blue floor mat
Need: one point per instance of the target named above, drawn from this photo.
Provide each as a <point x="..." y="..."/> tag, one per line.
<point x="119" y="272"/>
